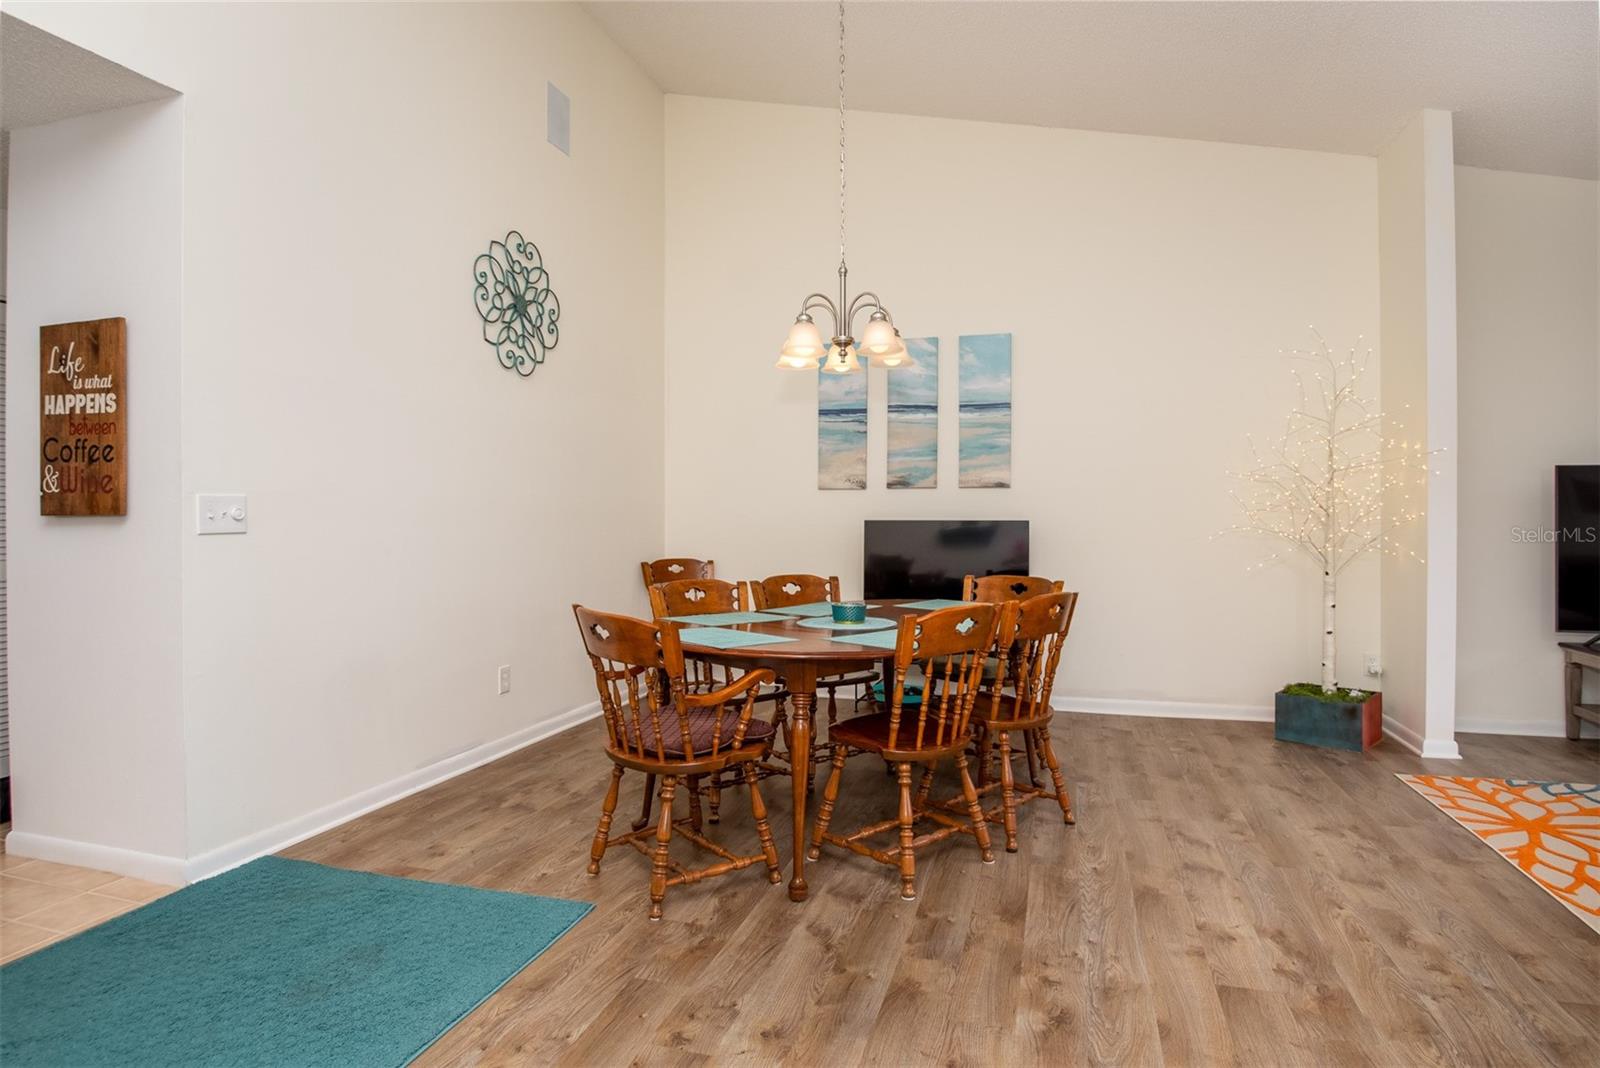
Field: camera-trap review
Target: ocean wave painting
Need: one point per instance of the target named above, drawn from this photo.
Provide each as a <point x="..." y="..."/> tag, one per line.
<point x="985" y="417"/>
<point x="914" y="418"/>
<point x="842" y="431"/>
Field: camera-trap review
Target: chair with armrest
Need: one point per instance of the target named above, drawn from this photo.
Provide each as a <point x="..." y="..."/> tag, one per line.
<point x="689" y="597"/>
<point x="656" y="726"/>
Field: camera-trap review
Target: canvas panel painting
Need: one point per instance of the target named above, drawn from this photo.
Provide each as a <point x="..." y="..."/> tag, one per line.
<point x="914" y="418"/>
<point x="985" y="381"/>
<point x="841" y="431"/>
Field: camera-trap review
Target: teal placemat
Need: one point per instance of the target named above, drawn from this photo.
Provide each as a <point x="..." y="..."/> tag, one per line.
<point x="870" y="623"/>
<point x="718" y="638"/>
<point x="816" y="608"/>
<point x="278" y="962"/>
<point x="930" y="605"/>
<point x="728" y="619"/>
<point x="878" y="639"/>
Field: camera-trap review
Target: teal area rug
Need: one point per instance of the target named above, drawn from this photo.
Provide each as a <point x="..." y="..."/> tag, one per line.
<point x="279" y="962"/>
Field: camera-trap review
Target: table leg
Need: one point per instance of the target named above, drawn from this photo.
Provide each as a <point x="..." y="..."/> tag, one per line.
<point x="804" y="693"/>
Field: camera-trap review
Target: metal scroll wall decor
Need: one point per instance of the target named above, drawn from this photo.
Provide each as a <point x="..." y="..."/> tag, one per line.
<point x="517" y="305"/>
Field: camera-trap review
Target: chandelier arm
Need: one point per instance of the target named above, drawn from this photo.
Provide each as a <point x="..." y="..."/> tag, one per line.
<point x="862" y="302"/>
<point x="821" y="300"/>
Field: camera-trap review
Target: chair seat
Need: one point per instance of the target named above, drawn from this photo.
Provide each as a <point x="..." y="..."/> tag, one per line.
<point x="872" y="733"/>
<point x="702" y="727"/>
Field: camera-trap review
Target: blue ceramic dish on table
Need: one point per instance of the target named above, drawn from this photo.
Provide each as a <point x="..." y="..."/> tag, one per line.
<point x="850" y="611"/>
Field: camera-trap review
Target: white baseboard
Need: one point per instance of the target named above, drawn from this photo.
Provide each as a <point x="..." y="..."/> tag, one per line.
<point x="1426" y="748"/>
<point x="1521" y="729"/>
<point x="151" y="867"/>
<point x="314" y="823"/>
<point x="1118" y="706"/>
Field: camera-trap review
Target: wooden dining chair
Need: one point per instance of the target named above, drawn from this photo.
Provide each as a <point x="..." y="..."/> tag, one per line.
<point x="671" y="568"/>
<point x="949" y="646"/>
<point x="783" y="591"/>
<point x="1031" y="645"/>
<point x="656" y="726"/>
<point x="699" y="597"/>
<point x="1006" y="587"/>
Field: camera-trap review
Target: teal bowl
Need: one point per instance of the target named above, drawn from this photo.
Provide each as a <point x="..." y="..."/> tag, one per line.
<point x="850" y="612"/>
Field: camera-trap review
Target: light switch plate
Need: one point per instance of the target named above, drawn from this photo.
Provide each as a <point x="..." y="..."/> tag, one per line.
<point x="221" y="513"/>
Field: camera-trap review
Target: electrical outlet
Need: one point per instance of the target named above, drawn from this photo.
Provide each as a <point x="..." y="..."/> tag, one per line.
<point x="1374" y="667"/>
<point x="505" y="678"/>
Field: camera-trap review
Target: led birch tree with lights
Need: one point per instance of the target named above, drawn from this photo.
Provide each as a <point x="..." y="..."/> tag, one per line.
<point x="1320" y="488"/>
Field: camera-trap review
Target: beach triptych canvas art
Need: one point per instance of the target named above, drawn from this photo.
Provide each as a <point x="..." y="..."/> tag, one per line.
<point x="841" y="431"/>
<point x="914" y="418"/>
<point x="985" y="380"/>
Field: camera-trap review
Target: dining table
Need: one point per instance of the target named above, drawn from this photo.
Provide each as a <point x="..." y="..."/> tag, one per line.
<point x="801" y="644"/>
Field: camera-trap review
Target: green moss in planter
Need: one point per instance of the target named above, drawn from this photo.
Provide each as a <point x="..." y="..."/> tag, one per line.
<point x="1338" y="697"/>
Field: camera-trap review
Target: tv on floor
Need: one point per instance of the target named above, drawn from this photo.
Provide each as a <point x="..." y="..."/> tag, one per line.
<point x="1578" y="547"/>
<point x="921" y="558"/>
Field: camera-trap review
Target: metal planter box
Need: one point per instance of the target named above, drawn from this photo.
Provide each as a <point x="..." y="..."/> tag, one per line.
<point x="1330" y="724"/>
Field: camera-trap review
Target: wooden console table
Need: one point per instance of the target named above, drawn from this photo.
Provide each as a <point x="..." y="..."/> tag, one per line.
<point x="1579" y="657"/>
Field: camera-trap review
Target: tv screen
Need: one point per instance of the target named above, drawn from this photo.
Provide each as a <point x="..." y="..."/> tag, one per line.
<point x="921" y="558"/>
<point x="1578" y="547"/>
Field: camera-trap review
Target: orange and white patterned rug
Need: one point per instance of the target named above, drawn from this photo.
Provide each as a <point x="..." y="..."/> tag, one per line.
<point x="1549" y="830"/>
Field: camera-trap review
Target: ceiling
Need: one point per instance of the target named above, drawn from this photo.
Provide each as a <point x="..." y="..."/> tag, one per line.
<point x="45" y="79"/>
<point x="1521" y="77"/>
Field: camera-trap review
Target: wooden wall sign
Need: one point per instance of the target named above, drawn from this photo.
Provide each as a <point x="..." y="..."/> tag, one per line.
<point x="83" y="418"/>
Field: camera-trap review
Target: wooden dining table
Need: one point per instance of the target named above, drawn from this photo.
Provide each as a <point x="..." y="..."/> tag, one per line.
<point x="809" y="653"/>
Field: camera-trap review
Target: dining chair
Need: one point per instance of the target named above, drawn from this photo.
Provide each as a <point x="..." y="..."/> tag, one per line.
<point x="670" y="568"/>
<point x="949" y="645"/>
<point x="1032" y="644"/>
<point x="699" y="597"/>
<point x="783" y="591"/>
<point x="1006" y="587"/>
<point x="656" y="726"/>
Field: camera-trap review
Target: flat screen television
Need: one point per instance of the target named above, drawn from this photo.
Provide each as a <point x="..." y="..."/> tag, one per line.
<point x="1578" y="547"/>
<point x="921" y="558"/>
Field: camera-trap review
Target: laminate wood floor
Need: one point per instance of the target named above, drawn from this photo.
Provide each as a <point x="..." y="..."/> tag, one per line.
<point x="1222" y="899"/>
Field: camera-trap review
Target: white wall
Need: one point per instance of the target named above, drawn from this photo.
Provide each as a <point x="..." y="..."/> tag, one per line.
<point x="1148" y="285"/>
<point x="419" y="515"/>
<point x="94" y="603"/>
<point x="1416" y="225"/>
<point x="1530" y="371"/>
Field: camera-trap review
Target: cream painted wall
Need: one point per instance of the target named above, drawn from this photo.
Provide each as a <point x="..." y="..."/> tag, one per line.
<point x="1530" y="370"/>
<point x="1148" y="285"/>
<point x="1416" y="225"/>
<point x="419" y="516"/>
<point x="94" y="603"/>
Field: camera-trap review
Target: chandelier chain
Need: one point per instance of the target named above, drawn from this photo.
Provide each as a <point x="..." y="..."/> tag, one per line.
<point x="841" y="133"/>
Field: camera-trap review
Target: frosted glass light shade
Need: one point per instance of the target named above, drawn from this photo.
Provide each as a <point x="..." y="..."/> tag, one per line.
<point x="841" y="363"/>
<point x="897" y="358"/>
<point x="803" y="347"/>
<point x="879" y="338"/>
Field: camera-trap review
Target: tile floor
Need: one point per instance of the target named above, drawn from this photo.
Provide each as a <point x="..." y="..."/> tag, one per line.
<point x="41" y="902"/>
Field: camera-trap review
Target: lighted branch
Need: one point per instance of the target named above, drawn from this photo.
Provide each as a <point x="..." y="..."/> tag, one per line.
<point x="1320" y="488"/>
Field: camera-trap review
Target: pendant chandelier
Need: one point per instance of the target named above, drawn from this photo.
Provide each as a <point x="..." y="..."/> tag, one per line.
<point x="805" y="347"/>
